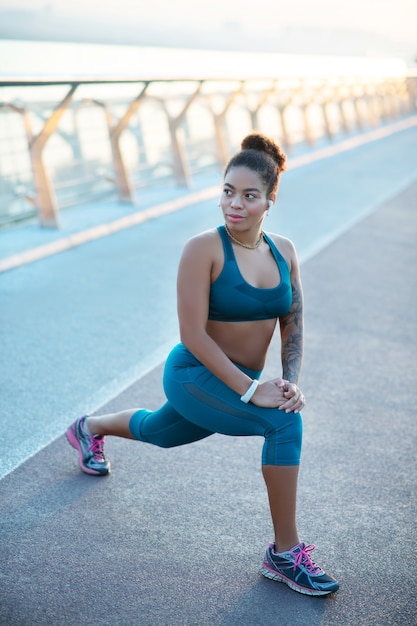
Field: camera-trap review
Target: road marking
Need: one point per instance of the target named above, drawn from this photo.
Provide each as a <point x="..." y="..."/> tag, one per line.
<point x="103" y="230"/>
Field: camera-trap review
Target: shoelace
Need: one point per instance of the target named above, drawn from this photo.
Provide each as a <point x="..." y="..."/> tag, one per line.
<point x="302" y="557"/>
<point x="96" y="447"/>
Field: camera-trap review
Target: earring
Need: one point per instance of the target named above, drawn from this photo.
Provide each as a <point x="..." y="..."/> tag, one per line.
<point x="270" y="205"/>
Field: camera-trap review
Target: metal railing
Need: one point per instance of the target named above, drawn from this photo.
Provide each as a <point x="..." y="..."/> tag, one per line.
<point x="88" y="144"/>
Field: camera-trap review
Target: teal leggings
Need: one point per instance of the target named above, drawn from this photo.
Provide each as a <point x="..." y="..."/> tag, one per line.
<point x="199" y="405"/>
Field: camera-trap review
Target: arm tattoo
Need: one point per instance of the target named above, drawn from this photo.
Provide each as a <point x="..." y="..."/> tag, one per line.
<point x="292" y="336"/>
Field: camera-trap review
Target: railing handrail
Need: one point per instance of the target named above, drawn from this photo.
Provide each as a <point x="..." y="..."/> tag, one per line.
<point x="26" y="80"/>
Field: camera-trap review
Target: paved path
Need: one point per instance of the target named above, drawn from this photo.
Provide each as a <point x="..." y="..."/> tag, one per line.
<point x="175" y="537"/>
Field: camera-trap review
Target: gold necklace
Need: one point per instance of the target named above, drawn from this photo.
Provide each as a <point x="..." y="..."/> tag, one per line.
<point x="245" y="245"/>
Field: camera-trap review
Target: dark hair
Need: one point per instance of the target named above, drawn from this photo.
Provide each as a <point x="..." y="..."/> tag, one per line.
<point x="263" y="156"/>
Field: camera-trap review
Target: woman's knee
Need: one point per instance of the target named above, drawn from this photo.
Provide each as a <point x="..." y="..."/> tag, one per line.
<point x="165" y="428"/>
<point x="283" y="442"/>
<point x="139" y="427"/>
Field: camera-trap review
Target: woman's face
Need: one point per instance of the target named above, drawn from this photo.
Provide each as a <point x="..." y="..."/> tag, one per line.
<point x="243" y="200"/>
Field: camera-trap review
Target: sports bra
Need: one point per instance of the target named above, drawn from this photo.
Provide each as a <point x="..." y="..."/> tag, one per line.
<point x="232" y="299"/>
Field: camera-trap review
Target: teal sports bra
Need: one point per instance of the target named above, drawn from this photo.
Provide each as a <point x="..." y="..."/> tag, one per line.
<point x="232" y="299"/>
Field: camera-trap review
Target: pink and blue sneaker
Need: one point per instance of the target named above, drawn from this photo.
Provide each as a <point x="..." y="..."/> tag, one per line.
<point x="90" y="448"/>
<point x="296" y="569"/>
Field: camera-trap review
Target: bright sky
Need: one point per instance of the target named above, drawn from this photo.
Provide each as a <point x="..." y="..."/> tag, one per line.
<point x="394" y="18"/>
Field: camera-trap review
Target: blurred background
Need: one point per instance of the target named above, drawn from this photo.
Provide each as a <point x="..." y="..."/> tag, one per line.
<point x="99" y="100"/>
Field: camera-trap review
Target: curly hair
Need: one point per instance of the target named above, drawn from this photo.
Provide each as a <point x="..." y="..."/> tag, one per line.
<point x="262" y="155"/>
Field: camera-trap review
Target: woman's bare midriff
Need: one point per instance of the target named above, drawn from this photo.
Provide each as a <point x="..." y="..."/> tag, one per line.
<point x="245" y="343"/>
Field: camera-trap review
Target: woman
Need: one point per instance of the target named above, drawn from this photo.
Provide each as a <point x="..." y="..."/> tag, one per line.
<point x="234" y="283"/>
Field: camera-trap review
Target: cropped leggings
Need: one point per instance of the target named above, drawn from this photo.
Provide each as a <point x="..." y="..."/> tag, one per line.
<point x="199" y="405"/>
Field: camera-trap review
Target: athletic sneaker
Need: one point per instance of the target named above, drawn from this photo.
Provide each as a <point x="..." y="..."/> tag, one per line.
<point x="296" y="569"/>
<point x="90" y="448"/>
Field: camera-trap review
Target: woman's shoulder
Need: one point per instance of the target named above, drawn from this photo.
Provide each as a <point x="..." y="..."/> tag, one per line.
<point x="204" y="239"/>
<point x="285" y="246"/>
<point x="282" y="243"/>
<point x="204" y="244"/>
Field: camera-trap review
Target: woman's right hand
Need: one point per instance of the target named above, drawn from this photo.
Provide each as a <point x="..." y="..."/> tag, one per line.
<point x="270" y="394"/>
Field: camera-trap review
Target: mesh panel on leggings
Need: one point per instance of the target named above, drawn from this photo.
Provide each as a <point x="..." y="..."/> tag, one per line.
<point x="217" y="403"/>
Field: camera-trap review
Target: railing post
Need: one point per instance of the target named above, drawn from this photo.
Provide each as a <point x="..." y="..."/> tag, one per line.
<point x="254" y="112"/>
<point x="124" y="184"/>
<point x="382" y="104"/>
<point x="392" y="100"/>
<point x="221" y="142"/>
<point x="283" y="122"/>
<point x="324" y="94"/>
<point x="356" y="94"/>
<point x="400" y="97"/>
<point x="340" y="99"/>
<point x="45" y="197"/>
<point x="343" y="118"/>
<point x="220" y="126"/>
<point x="254" y="117"/>
<point x="179" y="155"/>
<point x="409" y="95"/>
<point x="327" y="125"/>
<point x="370" y="104"/>
<point x="307" y="126"/>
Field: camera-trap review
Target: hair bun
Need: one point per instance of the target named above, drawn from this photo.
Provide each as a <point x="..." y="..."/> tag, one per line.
<point x="257" y="141"/>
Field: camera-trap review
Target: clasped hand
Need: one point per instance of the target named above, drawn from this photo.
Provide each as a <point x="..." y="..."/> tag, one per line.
<point x="279" y="393"/>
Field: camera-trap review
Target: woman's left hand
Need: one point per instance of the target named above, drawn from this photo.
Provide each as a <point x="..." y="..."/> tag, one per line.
<point x="295" y="398"/>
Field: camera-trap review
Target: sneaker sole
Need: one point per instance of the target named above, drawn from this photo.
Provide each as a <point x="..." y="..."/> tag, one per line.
<point x="272" y="575"/>
<point x="73" y="441"/>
